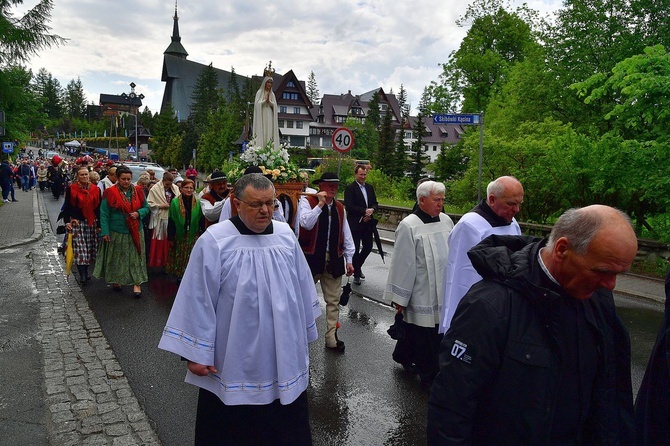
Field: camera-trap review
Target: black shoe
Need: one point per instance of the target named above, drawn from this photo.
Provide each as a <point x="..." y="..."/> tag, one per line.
<point x="15" y="201"/>
<point x="137" y="294"/>
<point x="116" y="287"/>
<point x="362" y="276"/>
<point x="337" y="348"/>
<point x="357" y="280"/>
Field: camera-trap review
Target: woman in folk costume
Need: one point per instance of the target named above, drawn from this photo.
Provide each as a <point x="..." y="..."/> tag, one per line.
<point x="81" y="214"/>
<point x="159" y="198"/>
<point x="185" y="224"/>
<point x="121" y="258"/>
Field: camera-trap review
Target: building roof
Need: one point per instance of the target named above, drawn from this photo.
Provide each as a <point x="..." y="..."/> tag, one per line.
<point x="117" y="99"/>
<point x="344" y="105"/>
<point x="176" y="48"/>
<point x="181" y="76"/>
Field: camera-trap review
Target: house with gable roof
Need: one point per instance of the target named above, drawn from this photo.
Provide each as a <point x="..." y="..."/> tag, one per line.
<point x="334" y="110"/>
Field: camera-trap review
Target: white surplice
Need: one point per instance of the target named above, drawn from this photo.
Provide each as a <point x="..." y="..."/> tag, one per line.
<point x="247" y="304"/>
<point x="416" y="276"/>
<point x="471" y="229"/>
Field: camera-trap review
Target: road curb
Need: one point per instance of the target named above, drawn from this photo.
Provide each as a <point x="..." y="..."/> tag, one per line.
<point x="87" y="395"/>
<point x="37" y="226"/>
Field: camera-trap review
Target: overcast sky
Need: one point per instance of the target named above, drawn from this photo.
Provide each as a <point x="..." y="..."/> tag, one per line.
<point x="355" y="45"/>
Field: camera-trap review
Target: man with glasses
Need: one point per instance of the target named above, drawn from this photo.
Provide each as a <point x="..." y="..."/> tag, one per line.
<point x="326" y="240"/>
<point x="243" y="316"/>
<point x="493" y="215"/>
<point x="227" y="210"/>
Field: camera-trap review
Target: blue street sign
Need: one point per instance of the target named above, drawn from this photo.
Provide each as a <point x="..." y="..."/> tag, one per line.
<point x="131" y="149"/>
<point x="457" y="119"/>
<point x="7" y="147"/>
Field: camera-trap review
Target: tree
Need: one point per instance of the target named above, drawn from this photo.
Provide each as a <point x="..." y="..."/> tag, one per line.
<point x="19" y="102"/>
<point x="205" y="97"/>
<point x="218" y="140"/>
<point x="529" y="94"/>
<point x="385" y="151"/>
<point x="418" y="150"/>
<point x="635" y="96"/>
<point x="636" y="149"/>
<point x="399" y="158"/>
<point x="402" y="103"/>
<point x="365" y="138"/>
<point x="374" y="115"/>
<point x="587" y="38"/>
<point x="495" y="41"/>
<point x="451" y="162"/>
<point x="146" y="118"/>
<point x="50" y="92"/>
<point x="75" y="99"/>
<point x="23" y="37"/>
<point x="164" y="130"/>
<point x="313" y="89"/>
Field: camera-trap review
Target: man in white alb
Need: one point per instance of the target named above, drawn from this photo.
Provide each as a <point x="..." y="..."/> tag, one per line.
<point x="243" y="317"/>
<point x="494" y="215"/>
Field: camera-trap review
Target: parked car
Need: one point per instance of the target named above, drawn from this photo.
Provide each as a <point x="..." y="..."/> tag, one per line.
<point x="50" y="154"/>
<point x="138" y="168"/>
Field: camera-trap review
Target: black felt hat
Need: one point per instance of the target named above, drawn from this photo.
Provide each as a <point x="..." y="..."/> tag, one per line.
<point x="327" y="177"/>
<point x="252" y="169"/>
<point x="217" y="176"/>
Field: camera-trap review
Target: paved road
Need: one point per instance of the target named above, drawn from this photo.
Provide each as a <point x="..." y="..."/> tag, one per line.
<point x="96" y="377"/>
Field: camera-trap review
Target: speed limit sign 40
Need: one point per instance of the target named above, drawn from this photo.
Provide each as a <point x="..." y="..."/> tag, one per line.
<point x="343" y="139"/>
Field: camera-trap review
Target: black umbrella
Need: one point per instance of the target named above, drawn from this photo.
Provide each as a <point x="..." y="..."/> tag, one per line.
<point x="378" y="240"/>
<point x="346" y="290"/>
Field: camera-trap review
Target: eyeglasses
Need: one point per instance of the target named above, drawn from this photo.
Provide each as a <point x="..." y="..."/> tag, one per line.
<point x="258" y="206"/>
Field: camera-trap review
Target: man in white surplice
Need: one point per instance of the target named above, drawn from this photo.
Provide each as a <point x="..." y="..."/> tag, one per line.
<point x="243" y="316"/>
<point x="493" y="215"/>
<point x="416" y="281"/>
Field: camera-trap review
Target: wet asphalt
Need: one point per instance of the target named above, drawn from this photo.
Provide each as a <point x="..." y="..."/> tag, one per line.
<point x="359" y="397"/>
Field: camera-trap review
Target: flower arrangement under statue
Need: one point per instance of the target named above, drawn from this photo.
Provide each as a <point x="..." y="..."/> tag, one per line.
<point x="275" y="164"/>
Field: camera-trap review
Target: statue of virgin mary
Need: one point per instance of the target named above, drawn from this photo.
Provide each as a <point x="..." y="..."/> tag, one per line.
<point x="265" y="126"/>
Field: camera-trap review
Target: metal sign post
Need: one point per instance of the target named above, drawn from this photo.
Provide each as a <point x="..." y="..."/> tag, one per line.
<point x="468" y="119"/>
<point x="343" y="141"/>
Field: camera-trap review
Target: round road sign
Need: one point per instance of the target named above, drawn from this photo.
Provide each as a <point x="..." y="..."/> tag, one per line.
<point x="343" y="139"/>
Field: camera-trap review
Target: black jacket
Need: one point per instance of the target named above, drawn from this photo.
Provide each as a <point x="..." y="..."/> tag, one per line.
<point x="354" y="202"/>
<point x="500" y="360"/>
<point x="652" y="407"/>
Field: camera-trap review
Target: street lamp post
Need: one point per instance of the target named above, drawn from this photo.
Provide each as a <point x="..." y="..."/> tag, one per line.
<point x="131" y="98"/>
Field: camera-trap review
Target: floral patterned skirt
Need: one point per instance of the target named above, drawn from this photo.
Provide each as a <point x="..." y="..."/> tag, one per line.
<point x="119" y="262"/>
<point x="179" y="255"/>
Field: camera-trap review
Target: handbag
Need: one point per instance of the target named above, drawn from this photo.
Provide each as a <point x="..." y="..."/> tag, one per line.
<point x="397" y="330"/>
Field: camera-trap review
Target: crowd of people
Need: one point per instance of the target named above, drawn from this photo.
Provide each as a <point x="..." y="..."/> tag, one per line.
<point x="516" y="339"/>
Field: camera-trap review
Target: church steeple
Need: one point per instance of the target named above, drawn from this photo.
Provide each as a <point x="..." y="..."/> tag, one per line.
<point x="176" y="48"/>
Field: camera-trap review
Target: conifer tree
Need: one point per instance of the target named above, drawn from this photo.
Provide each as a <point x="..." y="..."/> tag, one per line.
<point x="312" y="89"/>
<point x="75" y="99"/>
<point x="385" y="151"/>
<point x="22" y="37"/>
